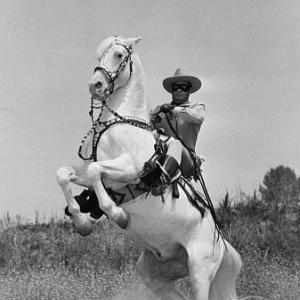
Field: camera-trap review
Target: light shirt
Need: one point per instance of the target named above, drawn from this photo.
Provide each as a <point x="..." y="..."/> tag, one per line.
<point x="185" y="120"/>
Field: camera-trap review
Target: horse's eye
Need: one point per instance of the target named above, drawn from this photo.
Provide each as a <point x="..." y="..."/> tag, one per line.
<point x="118" y="54"/>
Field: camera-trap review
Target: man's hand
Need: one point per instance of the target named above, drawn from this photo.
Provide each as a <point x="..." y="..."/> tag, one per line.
<point x="155" y="119"/>
<point x="166" y="107"/>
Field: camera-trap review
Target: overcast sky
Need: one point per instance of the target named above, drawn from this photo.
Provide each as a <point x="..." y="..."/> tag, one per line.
<point x="246" y="53"/>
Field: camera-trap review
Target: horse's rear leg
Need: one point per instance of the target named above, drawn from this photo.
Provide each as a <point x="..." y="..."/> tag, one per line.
<point x="159" y="276"/>
<point x="204" y="258"/>
<point x="213" y="270"/>
<point x="223" y="285"/>
<point x="199" y="279"/>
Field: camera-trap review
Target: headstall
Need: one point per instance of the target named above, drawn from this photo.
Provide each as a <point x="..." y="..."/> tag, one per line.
<point x="111" y="77"/>
<point x="99" y="127"/>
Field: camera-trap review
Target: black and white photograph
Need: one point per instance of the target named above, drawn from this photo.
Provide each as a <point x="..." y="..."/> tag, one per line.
<point x="150" y="150"/>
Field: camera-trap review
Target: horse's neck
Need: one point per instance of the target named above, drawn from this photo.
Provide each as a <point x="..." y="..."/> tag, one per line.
<point x="135" y="103"/>
<point x="131" y="100"/>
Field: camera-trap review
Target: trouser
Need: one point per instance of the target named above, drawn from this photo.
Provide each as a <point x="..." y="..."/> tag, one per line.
<point x="182" y="156"/>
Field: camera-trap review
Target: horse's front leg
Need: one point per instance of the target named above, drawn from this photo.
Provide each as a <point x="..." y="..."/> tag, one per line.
<point x="83" y="222"/>
<point x="114" y="212"/>
<point x="119" y="170"/>
<point x="90" y="176"/>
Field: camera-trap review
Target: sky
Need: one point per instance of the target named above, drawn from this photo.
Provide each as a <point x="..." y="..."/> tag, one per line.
<point x="246" y="53"/>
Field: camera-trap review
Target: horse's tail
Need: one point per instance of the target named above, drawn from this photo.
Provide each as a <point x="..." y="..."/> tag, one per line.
<point x="223" y="286"/>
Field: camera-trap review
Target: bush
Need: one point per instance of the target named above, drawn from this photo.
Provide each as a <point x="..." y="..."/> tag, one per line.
<point x="247" y="227"/>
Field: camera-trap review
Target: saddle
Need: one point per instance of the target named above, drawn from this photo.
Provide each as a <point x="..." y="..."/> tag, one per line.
<point x="152" y="172"/>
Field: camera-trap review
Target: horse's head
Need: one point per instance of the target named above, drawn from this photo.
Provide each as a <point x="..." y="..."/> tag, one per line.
<point x="115" y="66"/>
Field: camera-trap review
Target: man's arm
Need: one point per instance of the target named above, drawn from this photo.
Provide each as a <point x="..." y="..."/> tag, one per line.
<point x="194" y="112"/>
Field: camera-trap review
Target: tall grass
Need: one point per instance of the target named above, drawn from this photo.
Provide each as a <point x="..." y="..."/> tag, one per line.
<point x="51" y="261"/>
<point x="270" y="250"/>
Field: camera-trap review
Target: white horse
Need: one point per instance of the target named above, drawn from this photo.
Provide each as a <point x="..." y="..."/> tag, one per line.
<point x="177" y="239"/>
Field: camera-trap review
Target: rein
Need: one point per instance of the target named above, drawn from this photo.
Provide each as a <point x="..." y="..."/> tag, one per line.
<point x="200" y="178"/>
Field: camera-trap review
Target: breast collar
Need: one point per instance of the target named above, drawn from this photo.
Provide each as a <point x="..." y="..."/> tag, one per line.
<point x="99" y="128"/>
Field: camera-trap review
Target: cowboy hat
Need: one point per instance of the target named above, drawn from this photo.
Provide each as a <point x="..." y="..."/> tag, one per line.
<point x="179" y="76"/>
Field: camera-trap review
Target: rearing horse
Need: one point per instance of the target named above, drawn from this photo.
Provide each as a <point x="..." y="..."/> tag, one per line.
<point x="178" y="240"/>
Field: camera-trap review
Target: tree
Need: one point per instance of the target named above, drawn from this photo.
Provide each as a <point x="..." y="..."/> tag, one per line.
<point x="280" y="191"/>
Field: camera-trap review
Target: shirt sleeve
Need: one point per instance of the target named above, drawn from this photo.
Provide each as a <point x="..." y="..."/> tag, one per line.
<point x="194" y="112"/>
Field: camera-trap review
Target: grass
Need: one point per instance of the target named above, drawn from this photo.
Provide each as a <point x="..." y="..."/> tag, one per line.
<point x="51" y="261"/>
<point x="61" y="283"/>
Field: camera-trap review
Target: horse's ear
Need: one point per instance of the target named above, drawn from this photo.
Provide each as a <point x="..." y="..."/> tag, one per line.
<point x="132" y="41"/>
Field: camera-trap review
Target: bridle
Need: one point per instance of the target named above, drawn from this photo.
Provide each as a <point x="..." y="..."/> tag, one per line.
<point x="99" y="127"/>
<point x="110" y="78"/>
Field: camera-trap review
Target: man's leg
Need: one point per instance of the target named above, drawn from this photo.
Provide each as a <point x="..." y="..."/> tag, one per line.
<point x="171" y="165"/>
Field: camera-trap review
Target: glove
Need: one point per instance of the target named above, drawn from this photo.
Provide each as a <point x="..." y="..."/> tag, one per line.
<point x="156" y="119"/>
<point x="166" y="107"/>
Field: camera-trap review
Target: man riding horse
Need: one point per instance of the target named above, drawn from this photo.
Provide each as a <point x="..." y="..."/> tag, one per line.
<point x="179" y="236"/>
<point x="180" y="121"/>
<point x="176" y="125"/>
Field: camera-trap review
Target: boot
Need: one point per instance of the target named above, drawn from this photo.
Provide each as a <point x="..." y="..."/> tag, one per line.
<point x="150" y="173"/>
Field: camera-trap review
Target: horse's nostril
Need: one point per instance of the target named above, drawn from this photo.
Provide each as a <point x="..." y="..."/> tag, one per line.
<point x="98" y="85"/>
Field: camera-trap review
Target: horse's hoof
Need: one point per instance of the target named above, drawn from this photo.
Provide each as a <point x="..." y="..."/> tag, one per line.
<point x="85" y="231"/>
<point x="123" y="220"/>
<point x="83" y="224"/>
